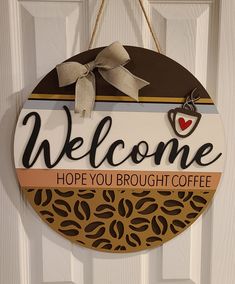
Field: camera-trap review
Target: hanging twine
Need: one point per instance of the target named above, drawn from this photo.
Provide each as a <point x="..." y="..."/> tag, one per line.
<point x="100" y="12"/>
<point x="95" y="28"/>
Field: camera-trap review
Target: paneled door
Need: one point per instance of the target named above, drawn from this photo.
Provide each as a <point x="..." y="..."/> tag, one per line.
<point x="37" y="34"/>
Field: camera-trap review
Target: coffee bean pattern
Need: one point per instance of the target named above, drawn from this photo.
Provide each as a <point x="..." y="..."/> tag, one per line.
<point x="118" y="220"/>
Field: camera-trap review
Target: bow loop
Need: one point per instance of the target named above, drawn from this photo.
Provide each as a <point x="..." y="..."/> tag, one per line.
<point x="112" y="56"/>
<point x="70" y="72"/>
<point x="110" y="62"/>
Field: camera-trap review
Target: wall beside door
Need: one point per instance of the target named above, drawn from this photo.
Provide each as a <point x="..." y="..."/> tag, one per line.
<point x="35" y="36"/>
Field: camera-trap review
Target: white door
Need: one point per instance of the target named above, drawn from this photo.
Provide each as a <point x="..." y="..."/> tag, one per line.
<point x="34" y="36"/>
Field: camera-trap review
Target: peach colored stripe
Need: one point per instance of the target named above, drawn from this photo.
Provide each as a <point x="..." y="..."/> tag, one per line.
<point x="102" y="179"/>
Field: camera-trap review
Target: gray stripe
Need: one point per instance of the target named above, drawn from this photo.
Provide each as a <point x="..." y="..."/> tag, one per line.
<point x="115" y="106"/>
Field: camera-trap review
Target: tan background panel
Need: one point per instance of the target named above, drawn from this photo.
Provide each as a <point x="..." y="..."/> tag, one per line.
<point x="118" y="220"/>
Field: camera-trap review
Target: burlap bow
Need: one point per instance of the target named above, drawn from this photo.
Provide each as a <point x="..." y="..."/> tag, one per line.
<point x="110" y="62"/>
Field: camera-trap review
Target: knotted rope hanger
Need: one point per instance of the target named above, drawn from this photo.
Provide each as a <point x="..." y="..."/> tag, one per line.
<point x="98" y="17"/>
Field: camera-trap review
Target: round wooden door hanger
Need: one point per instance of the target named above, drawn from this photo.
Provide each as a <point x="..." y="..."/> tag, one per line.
<point x="133" y="174"/>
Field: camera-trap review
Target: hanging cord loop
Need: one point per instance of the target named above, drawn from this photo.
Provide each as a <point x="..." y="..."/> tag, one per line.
<point x="98" y="17"/>
<point x="155" y="39"/>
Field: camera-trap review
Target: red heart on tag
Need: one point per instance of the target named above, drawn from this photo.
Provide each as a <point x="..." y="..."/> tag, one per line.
<point x="184" y="124"/>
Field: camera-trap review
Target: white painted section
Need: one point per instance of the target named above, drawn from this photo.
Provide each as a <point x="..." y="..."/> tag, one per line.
<point x="34" y="36"/>
<point x="141" y="127"/>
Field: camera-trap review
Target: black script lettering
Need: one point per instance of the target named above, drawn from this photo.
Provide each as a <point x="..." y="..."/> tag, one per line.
<point x="184" y="150"/>
<point x="96" y="141"/>
<point x="138" y="153"/>
<point x="173" y="153"/>
<point x="45" y="146"/>
<point x="73" y="145"/>
<point x="202" y="152"/>
<point x="135" y="153"/>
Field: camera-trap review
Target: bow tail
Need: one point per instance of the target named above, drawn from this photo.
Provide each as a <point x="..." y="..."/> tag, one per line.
<point x="85" y="95"/>
<point x="124" y="80"/>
